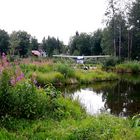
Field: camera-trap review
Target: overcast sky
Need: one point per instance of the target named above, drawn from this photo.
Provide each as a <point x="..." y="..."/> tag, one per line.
<point x="58" y="18"/>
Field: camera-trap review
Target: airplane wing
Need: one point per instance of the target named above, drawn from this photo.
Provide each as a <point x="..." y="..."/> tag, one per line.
<point x="81" y="57"/>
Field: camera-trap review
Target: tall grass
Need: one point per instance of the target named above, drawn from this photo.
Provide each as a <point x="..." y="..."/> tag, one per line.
<point x="64" y="69"/>
<point x="51" y="77"/>
<point x="44" y="68"/>
<point x="128" y="67"/>
<point x="91" y="76"/>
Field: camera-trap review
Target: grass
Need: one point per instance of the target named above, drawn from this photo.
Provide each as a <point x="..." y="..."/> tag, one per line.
<point x="28" y="112"/>
<point x="41" y="67"/>
<point x="92" y="76"/>
<point x="78" y="77"/>
<point x="102" y="127"/>
<point x="55" y="78"/>
<point x="128" y="67"/>
<point x="64" y="74"/>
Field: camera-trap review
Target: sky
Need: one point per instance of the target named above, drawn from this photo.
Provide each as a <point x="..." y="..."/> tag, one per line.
<point x="58" y="18"/>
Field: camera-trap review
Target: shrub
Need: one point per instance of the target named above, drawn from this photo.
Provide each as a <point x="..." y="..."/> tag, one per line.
<point x="66" y="108"/>
<point x="132" y="67"/>
<point x="31" y="102"/>
<point x="64" y="69"/>
<point x="5" y="92"/>
<point x="24" y="99"/>
<point x="111" y="62"/>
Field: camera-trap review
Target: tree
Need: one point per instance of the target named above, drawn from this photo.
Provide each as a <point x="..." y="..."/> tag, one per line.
<point x="121" y="35"/>
<point x="95" y="40"/>
<point x="106" y="42"/>
<point x="134" y="20"/>
<point x="19" y="43"/>
<point x="52" y="46"/>
<point x="14" y="43"/>
<point x="80" y="44"/>
<point x="24" y="43"/>
<point x="110" y="14"/>
<point x="4" y="41"/>
<point x="117" y="23"/>
<point x="59" y="47"/>
<point x="34" y="44"/>
<point x="120" y="38"/>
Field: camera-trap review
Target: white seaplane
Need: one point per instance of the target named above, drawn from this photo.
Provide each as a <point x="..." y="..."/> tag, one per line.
<point x="80" y="59"/>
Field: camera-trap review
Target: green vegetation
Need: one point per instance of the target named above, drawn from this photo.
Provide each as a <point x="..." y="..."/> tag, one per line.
<point x="55" y="78"/>
<point x="28" y="111"/>
<point x="92" y="76"/>
<point x="97" y="128"/>
<point x="63" y="74"/>
<point x="31" y="112"/>
<point x="128" y="67"/>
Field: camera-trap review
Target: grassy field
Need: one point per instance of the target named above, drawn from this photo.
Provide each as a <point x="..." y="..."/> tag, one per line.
<point x="102" y="127"/>
<point x="59" y="73"/>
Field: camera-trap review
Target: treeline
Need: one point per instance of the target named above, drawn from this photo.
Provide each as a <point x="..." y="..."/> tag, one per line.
<point x="119" y="38"/>
<point x="21" y="43"/>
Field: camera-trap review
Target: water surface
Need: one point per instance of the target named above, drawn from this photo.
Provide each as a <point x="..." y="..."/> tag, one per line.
<point x="120" y="98"/>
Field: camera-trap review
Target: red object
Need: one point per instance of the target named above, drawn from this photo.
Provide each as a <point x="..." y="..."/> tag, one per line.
<point x="36" y="53"/>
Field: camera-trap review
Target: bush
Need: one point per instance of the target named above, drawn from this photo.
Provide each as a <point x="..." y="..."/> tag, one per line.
<point x="130" y="67"/>
<point x="5" y="93"/>
<point x="31" y="102"/>
<point x="111" y="62"/>
<point x="66" y="108"/>
<point x="64" y="69"/>
<point x="24" y="99"/>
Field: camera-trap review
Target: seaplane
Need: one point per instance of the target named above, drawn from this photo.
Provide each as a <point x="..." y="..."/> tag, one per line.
<point x="80" y="59"/>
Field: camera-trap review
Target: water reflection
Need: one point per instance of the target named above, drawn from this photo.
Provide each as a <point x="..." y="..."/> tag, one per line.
<point x="90" y="100"/>
<point x="121" y="98"/>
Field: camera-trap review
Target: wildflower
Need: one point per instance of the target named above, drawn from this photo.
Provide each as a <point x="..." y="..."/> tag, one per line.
<point x="35" y="82"/>
<point x="18" y="76"/>
<point x="3" y="55"/>
<point x="13" y="81"/>
<point x="4" y="60"/>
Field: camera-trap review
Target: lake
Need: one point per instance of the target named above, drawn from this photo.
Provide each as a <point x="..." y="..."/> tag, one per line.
<point x="120" y="98"/>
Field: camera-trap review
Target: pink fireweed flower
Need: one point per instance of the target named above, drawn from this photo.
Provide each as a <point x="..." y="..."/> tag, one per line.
<point x="3" y="55"/>
<point x="4" y="60"/>
<point x="17" y="77"/>
<point x="13" y="81"/>
<point x="20" y="77"/>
